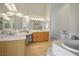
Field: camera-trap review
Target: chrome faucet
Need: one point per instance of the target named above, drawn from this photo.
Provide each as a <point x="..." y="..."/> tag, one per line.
<point x="74" y="37"/>
<point x="7" y="32"/>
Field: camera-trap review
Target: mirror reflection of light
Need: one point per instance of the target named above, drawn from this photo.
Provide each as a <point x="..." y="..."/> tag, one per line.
<point x="8" y="6"/>
<point x="10" y="13"/>
<point x="27" y="17"/>
<point x="13" y="6"/>
<point x="7" y="18"/>
<point x="37" y="18"/>
<point x="19" y="14"/>
<point x="7" y="14"/>
<point x="3" y="14"/>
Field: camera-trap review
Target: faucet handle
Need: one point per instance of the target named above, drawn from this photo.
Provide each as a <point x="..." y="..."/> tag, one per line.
<point x="74" y="37"/>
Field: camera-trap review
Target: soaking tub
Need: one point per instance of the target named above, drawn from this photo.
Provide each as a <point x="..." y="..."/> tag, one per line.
<point x="71" y="45"/>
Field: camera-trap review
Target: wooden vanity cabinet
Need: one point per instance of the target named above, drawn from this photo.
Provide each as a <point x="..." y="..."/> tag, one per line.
<point x="12" y="48"/>
<point x="40" y="36"/>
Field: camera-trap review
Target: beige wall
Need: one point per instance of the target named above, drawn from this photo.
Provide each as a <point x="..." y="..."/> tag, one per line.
<point x="54" y="20"/>
<point x="66" y="18"/>
<point x="69" y="18"/>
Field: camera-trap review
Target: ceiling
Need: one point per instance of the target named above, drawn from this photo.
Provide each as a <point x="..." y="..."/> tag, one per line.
<point x="55" y="7"/>
<point x="3" y="8"/>
<point x="31" y="9"/>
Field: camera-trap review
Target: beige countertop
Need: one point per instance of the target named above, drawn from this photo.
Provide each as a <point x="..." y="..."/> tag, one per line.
<point x="11" y="38"/>
<point x="18" y="36"/>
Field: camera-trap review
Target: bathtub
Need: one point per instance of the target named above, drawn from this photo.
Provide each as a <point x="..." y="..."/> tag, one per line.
<point x="71" y="45"/>
<point x="56" y="50"/>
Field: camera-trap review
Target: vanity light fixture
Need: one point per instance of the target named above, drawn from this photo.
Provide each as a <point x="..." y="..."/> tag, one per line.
<point x="19" y="14"/>
<point x="8" y="6"/>
<point x="7" y="14"/>
<point x="37" y="18"/>
<point x="3" y="14"/>
<point x="10" y="13"/>
<point x="26" y="17"/>
<point x="6" y="17"/>
<point x="11" y="6"/>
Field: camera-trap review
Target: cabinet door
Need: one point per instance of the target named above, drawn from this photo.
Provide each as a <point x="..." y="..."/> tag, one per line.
<point x="40" y="36"/>
<point x="35" y="37"/>
<point x="44" y="36"/>
<point x="12" y="48"/>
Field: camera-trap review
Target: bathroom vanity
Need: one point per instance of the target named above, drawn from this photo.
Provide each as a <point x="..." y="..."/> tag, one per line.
<point x="12" y="48"/>
<point x="14" y="45"/>
<point x="16" y="32"/>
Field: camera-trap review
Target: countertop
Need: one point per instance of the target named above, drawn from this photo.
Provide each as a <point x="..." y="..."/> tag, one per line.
<point x="18" y="36"/>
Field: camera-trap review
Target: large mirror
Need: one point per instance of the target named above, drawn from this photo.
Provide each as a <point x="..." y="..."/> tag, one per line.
<point x="1" y="23"/>
<point x="4" y="23"/>
<point x="37" y="24"/>
<point x="20" y="23"/>
<point x="7" y="24"/>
